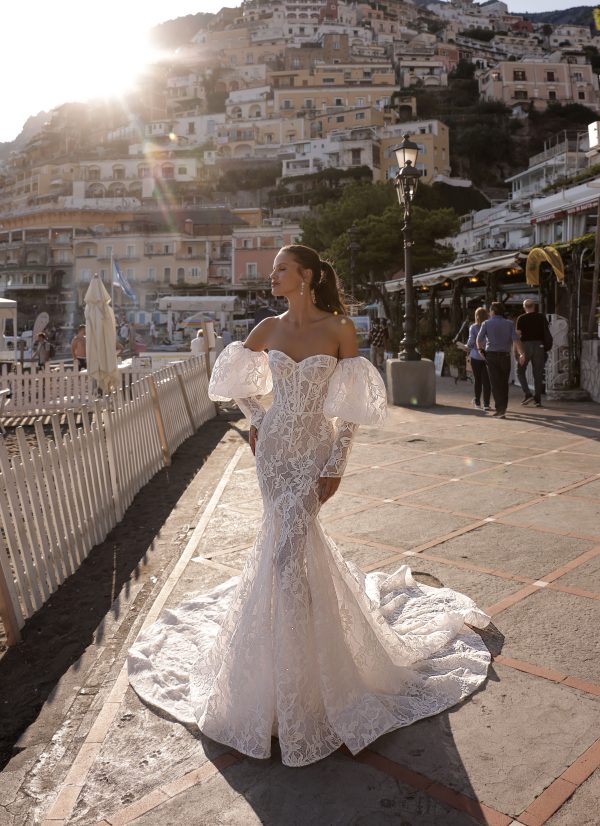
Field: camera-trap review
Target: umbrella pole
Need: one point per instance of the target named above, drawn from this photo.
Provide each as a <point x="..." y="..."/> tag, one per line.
<point x="112" y="282"/>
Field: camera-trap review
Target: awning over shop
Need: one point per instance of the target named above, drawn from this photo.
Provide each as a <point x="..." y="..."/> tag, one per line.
<point x="200" y="303"/>
<point x="455" y="271"/>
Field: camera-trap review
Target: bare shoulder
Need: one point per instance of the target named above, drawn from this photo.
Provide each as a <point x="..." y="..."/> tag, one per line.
<point x="259" y="336"/>
<point x="345" y="333"/>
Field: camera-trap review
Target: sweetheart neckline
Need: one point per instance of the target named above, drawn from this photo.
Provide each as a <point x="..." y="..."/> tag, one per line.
<point x="315" y="355"/>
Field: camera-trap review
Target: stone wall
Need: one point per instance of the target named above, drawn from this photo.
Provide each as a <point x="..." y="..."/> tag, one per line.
<point x="590" y="368"/>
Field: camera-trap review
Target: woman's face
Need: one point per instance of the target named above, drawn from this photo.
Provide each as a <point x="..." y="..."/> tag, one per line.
<point x="287" y="275"/>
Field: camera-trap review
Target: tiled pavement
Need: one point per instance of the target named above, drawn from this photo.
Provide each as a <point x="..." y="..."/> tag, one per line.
<point x="507" y="511"/>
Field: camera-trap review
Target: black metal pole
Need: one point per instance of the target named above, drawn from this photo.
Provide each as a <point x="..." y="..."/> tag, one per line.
<point x="408" y="350"/>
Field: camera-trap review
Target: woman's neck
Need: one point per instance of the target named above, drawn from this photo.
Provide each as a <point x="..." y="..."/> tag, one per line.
<point x="301" y="310"/>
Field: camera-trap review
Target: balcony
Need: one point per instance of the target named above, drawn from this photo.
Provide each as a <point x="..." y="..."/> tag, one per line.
<point x="23" y="281"/>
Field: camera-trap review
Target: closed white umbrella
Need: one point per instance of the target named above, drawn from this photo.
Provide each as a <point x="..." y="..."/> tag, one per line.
<point x="100" y="336"/>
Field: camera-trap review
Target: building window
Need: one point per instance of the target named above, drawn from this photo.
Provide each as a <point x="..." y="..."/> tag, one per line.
<point x="581" y="95"/>
<point x="360" y="116"/>
<point x="577" y="76"/>
<point x="247" y="243"/>
<point x="182" y="170"/>
<point x="356" y="157"/>
<point x="167" y="273"/>
<point x="286" y="104"/>
<point x="108" y="251"/>
<point x="551" y="95"/>
<point x="195" y="272"/>
<point x="167" y="249"/>
<point x="360" y="101"/>
<point x="130" y="251"/>
<point x="520" y="94"/>
<point x="328" y="80"/>
<point x="339" y="119"/>
<point x="191" y="128"/>
<point x="336" y="44"/>
<point x="519" y="75"/>
<point x="309" y="103"/>
<point x="251" y="270"/>
<point x="151" y="274"/>
<point x="130" y="274"/>
<point x="180" y="275"/>
<point x="296" y="63"/>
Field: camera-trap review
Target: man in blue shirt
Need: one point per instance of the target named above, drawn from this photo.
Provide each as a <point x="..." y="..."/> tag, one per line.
<point x="496" y="339"/>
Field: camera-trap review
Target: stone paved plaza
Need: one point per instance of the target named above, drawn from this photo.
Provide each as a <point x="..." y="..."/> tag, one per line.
<point x="507" y="511"/>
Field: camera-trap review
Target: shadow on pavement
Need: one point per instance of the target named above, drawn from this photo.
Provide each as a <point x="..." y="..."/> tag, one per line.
<point x="59" y="633"/>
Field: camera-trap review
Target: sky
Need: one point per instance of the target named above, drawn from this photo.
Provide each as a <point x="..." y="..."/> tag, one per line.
<point x="70" y="50"/>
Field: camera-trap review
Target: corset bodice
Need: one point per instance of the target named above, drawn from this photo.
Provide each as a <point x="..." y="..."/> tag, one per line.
<point x="300" y="387"/>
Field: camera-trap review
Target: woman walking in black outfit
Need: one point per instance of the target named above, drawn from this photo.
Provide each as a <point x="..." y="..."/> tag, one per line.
<point x="478" y="364"/>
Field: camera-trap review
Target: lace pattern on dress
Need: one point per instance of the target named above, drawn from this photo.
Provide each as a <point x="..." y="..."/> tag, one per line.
<point x="303" y="644"/>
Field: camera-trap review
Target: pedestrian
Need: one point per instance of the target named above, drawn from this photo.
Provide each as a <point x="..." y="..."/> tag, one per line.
<point x="42" y="350"/>
<point x="152" y="332"/>
<point x="495" y="341"/>
<point x="386" y="334"/>
<point x="534" y="333"/>
<point x="377" y="341"/>
<point x="78" y="348"/>
<point x="481" y="377"/>
<point x="197" y="344"/>
<point x="124" y="332"/>
<point x="226" y="336"/>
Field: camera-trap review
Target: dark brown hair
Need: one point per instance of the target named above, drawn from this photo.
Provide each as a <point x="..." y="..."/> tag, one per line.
<point x="325" y="283"/>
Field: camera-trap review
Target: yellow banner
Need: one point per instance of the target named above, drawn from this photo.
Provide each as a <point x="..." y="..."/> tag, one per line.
<point x="596" y="13"/>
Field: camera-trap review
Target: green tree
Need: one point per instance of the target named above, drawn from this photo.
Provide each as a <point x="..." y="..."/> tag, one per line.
<point x="381" y="247"/>
<point x="356" y="202"/>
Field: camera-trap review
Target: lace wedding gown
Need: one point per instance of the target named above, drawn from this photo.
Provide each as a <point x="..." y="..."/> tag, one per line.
<point x="303" y="645"/>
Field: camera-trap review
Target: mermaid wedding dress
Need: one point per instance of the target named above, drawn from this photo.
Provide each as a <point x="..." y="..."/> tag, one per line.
<point x="303" y="645"/>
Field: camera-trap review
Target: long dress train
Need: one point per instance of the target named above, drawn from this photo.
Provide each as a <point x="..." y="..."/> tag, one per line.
<point x="303" y="645"/>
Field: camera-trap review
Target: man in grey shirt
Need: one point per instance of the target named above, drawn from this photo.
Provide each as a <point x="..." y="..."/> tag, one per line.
<point x="496" y="340"/>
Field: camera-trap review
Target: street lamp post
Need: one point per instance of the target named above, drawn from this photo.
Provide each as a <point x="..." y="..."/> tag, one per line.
<point x="406" y="186"/>
<point x="410" y="378"/>
<point x="353" y="248"/>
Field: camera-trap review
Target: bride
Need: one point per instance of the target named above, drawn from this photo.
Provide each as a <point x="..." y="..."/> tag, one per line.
<point x="303" y="646"/>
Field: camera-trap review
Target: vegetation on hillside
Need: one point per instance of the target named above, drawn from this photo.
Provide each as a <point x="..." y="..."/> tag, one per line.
<point x="374" y="211"/>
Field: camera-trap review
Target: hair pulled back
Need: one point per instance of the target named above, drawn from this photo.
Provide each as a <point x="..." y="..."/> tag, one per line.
<point x="480" y="315"/>
<point x="325" y="283"/>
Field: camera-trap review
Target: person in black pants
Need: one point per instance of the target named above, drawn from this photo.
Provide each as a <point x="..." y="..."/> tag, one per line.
<point x="531" y="327"/>
<point x="495" y="341"/>
<point x="481" y="376"/>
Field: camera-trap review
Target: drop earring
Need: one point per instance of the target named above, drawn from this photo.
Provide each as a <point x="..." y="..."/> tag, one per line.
<point x="302" y="288"/>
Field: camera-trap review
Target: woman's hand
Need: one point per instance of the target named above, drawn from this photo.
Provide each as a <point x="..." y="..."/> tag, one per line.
<point x="326" y="487"/>
<point x="252" y="439"/>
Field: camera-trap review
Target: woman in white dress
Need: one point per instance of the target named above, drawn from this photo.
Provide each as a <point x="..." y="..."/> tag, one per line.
<point x="303" y="645"/>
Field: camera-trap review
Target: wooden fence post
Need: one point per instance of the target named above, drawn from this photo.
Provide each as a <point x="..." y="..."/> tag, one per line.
<point x="158" y="418"/>
<point x="9" y="602"/>
<point x="186" y="400"/>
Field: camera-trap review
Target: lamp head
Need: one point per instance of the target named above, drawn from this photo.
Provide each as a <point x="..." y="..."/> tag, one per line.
<point x="407" y="153"/>
<point x="406" y="183"/>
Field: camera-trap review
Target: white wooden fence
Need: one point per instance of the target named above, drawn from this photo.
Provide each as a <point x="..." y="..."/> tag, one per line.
<point x="61" y="497"/>
<point x="57" y="388"/>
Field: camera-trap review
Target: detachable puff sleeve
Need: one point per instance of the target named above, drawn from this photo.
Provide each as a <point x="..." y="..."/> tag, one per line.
<point x="242" y="375"/>
<point x="356" y="395"/>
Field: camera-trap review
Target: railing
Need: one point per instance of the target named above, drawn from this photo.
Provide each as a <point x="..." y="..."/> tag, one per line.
<point x="55" y="389"/>
<point x="61" y="497"/>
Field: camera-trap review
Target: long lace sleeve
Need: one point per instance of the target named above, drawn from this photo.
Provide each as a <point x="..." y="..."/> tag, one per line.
<point x="242" y="375"/>
<point x="356" y="395"/>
